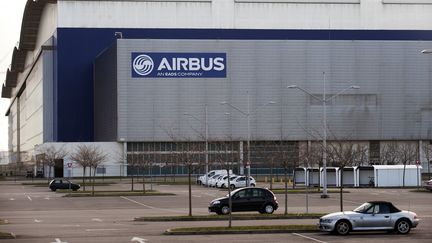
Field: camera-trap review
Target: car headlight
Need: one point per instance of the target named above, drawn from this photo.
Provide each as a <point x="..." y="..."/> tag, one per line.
<point x="215" y="202"/>
<point x="326" y="221"/>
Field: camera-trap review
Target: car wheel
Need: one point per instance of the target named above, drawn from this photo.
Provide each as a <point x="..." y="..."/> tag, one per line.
<point x="403" y="226"/>
<point x="223" y="186"/>
<point x="342" y="227"/>
<point x="252" y="185"/>
<point x="225" y="210"/>
<point x="269" y="209"/>
<point x="75" y="189"/>
<point x="53" y="189"/>
<point x="232" y="187"/>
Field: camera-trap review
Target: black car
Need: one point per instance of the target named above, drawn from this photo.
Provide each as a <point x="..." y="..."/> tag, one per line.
<point x="62" y="184"/>
<point x="246" y="199"/>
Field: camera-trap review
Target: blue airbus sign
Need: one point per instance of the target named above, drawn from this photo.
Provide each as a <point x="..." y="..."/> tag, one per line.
<point x="178" y="65"/>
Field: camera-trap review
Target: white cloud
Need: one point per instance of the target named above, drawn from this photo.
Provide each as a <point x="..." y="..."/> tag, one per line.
<point x="11" y="13"/>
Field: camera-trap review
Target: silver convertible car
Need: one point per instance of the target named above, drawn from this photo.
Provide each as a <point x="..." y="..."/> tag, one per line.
<point x="376" y="215"/>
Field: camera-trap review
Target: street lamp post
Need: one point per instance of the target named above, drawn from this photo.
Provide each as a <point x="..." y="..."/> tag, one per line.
<point x="206" y="138"/>
<point x="324" y="101"/>
<point x="428" y="51"/>
<point x="247" y="114"/>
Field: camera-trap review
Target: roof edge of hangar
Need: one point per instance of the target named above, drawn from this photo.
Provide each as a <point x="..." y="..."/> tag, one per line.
<point x="29" y="29"/>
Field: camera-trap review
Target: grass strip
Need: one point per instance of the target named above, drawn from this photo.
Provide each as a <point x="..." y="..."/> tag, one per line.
<point x="303" y="191"/>
<point x="115" y="193"/>
<point x="261" y="229"/>
<point x="3" y="221"/>
<point x="234" y="217"/>
<point x="7" y="235"/>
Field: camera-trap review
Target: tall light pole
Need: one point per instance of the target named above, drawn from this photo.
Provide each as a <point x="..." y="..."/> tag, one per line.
<point x="324" y="101"/>
<point x="428" y="51"/>
<point x="206" y="138"/>
<point x="247" y="114"/>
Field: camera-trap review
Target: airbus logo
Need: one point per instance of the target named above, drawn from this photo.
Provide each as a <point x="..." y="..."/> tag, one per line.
<point x="143" y="65"/>
<point x="178" y="65"/>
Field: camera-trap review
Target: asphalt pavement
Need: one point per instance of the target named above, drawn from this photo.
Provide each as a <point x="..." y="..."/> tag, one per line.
<point x="35" y="214"/>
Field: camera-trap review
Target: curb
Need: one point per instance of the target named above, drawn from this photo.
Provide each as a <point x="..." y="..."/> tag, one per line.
<point x="221" y="232"/>
<point x="116" y="195"/>
<point x="220" y="218"/>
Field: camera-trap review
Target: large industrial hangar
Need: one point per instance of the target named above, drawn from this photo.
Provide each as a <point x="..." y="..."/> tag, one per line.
<point x="142" y="77"/>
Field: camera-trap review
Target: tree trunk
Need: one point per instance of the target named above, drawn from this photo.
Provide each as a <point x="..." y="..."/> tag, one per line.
<point x="49" y="173"/>
<point x="143" y="180"/>
<point x="229" y="199"/>
<point x="190" y="191"/>
<point x="132" y="178"/>
<point x="84" y="169"/>
<point x="341" y="190"/>
<point x="271" y="175"/>
<point x="286" y="191"/>
<point x="403" y="176"/>
<point x="93" y="184"/>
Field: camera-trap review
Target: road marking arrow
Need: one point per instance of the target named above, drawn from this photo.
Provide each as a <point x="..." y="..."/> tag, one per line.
<point x="140" y="240"/>
<point x="57" y="240"/>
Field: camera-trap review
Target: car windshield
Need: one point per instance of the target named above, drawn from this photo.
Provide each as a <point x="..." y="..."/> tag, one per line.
<point x="363" y="208"/>
<point x="235" y="191"/>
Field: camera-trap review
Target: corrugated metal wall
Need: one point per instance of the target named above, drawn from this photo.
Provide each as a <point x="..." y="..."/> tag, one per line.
<point x="395" y="89"/>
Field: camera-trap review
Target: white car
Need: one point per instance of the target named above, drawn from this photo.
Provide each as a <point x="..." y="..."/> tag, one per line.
<point x="202" y="180"/>
<point x="224" y="181"/>
<point x="241" y="182"/>
<point x="212" y="181"/>
<point x="375" y="215"/>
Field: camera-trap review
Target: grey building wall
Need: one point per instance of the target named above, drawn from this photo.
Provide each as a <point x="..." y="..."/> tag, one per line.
<point x="48" y="95"/>
<point x="105" y="95"/>
<point x="394" y="100"/>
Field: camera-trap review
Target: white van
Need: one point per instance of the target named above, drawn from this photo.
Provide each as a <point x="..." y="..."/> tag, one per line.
<point x="202" y="180"/>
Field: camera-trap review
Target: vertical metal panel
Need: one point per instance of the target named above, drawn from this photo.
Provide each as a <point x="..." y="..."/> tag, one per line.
<point x="105" y="95"/>
<point x="48" y="96"/>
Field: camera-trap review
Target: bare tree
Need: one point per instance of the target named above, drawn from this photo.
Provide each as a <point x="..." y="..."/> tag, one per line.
<point x="390" y="153"/>
<point x="225" y="154"/>
<point x="343" y="153"/>
<point x="287" y="154"/>
<point x="408" y="153"/>
<point x="50" y="155"/>
<point x="81" y="157"/>
<point x="91" y="156"/>
<point x="189" y="155"/>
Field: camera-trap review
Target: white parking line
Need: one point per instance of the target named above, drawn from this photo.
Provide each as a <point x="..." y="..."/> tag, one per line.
<point x="37" y="221"/>
<point x="12" y="199"/>
<point x="150" y="207"/>
<point x="97" y="219"/>
<point x="142" y="204"/>
<point x="309" y="238"/>
<point x="90" y="230"/>
<point x="29" y="198"/>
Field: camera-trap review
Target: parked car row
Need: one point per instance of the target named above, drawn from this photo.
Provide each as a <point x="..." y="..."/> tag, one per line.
<point x="219" y="179"/>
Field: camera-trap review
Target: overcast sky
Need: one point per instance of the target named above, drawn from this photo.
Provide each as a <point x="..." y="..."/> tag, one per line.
<point x="11" y="13"/>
